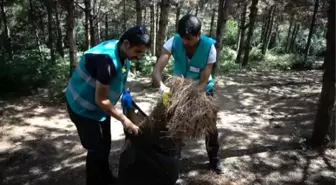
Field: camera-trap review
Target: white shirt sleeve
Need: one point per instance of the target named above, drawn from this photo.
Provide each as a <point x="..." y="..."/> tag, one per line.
<point x="212" y="55"/>
<point x="168" y="45"/>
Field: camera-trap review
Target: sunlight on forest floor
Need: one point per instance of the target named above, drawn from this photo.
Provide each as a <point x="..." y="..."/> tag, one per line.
<point x="264" y="119"/>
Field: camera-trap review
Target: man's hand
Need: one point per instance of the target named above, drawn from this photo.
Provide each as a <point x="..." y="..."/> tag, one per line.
<point x="101" y="98"/>
<point x="130" y="127"/>
<point x="163" y="89"/>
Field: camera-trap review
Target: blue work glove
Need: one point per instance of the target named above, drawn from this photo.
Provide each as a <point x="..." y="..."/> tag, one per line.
<point x="126" y="101"/>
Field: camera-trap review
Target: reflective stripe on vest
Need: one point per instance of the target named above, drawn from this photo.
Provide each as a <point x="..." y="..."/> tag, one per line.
<point x="80" y="100"/>
<point x="92" y="82"/>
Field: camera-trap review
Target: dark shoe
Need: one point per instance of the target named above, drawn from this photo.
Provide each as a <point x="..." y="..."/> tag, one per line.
<point x="217" y="167"/>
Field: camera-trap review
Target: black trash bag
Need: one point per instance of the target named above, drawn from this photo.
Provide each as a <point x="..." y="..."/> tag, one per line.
<point x="149" y="159"/>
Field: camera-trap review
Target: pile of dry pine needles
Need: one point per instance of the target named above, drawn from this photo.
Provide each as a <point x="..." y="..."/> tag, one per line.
<point x="190" y="113"/>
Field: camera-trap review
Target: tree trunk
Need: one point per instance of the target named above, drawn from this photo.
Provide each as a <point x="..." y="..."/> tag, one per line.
<point x="264" y="28"/>
<point x="238" y="37"/>
<point x="212" y="21"/>
<point x="274" y="36"/>
<point x="72" y="35"/>
<point x="106" y="27"/>
<point x="177" y="18"/>
<point x="145" y="16"/>
<point x="268" y="31"/>
<point x="87" y="12"/>
<point x="50" y="30"/>
<point x="41" y="20"/>
<point x="69" y="5"/>
<point x="32" y="20"/>
<point x="252" y="17"/>
<point x="99" y="25"/>
<point x="92" y="25"/>
<point x="236" y="17"/>
<point x="242" y="33"/>
<point x="311" y="30"/>
<point x="327" y="97"/>
<point x="332" y="129"/>
<point x="8" y="39"/>
<point x="164" y="6"/>
<point x="294" y="34"/>
<point x="157" y="20"/>
<point x="289" y="33"/>
<point x="59" y="47"/>
<point x="138" y="12"/>
<point x="125" y="16"/>
<point x="223" y="16"/>
<point x="153" y="28"/>
<point x="196" y="11"/>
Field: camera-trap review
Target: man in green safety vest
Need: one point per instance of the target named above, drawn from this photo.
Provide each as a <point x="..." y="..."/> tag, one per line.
<point x="92" y="93"/>
<point x="194" y="57"/>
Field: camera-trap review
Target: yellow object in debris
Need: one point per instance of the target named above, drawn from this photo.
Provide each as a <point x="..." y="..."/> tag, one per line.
<point x="165" y="99"/>
<point x="123" y="70"/>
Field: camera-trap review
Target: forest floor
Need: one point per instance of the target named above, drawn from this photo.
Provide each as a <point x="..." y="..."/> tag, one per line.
<point x="264" y="119"/>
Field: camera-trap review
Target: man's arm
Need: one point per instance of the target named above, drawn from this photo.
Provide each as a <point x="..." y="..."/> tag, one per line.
<point x="205" y="74"/>
<point x="105" y="71"/>
<point x="159" y="66"/>
<point x="101" y="99"/>
<point x="104" y="103"/>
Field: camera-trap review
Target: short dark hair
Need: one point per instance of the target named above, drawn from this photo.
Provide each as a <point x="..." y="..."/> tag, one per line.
<point x="137" y="35"/>
<point x="189" y="25"/>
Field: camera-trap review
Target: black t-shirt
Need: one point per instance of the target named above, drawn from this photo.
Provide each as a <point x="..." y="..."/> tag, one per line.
<point x="100" y="67"/>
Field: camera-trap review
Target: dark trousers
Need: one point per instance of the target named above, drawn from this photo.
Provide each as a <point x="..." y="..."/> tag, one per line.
<point x="212" y="146"/>
<point x="211" y="142"/>
<point x="96" y="139"/>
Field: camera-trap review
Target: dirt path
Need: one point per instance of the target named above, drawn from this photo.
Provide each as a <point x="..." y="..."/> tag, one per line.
<point x="264" y="118"/>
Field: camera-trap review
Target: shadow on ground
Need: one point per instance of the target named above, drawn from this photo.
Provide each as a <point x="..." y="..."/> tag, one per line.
<point x="264" y="119"/>
<point x="264" y="122"/>
<point x="39" y="145"/>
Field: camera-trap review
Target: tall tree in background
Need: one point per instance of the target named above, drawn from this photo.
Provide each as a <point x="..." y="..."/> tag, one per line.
<point x="125" y="16"/>
<point x="242" y="28"/>
<point x="327" y="98"/>
<point x="138" y="12"/>
<point x="178" y="12"/>
<point x="88" y="19"/>
<point x="153" y="27"/>
<point x="311" y="30"/>
<point x="49" y="6"/>
<point x="268" y="30"/>
<point x="223" y="15"/>
<point x="161" y="35"/>
<point x="59" y="46"/>
<point x="252" y="18"/>
<point x="291" y="22"/>
<point x="32" y="20"/>
<point x="293" y="38"/>
<point x="213" y="13"/>
<point x="8" y="39"/>
<point x="69" y="6"/>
